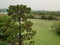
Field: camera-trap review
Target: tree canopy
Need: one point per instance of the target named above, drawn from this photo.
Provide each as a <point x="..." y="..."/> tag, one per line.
<point x="18" y="13"/>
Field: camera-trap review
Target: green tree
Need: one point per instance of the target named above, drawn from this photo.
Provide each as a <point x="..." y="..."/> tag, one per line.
<point x="8" y="28"/>
<point x="4" y="20"/>
<point x="18" y="13"/>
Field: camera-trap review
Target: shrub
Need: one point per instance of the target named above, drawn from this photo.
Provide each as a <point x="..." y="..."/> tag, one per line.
<point x="29" y="15"/>
<point x="43" y="17"/>
<point x="50" y="17"/>
<point x="56" y="27"/>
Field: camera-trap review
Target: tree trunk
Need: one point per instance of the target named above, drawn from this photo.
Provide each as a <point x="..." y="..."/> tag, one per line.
<point x="20" y="38"/>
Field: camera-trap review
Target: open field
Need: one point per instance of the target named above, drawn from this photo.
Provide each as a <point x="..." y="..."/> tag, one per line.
<point x="44" y="35"/>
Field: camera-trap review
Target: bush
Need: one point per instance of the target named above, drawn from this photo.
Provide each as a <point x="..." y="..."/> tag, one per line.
<point x="29" y="16"/>
<point x="43" y="17"/>
<point x="50" y="17"/>
<point x="47" y="17"/>
<point x="56" y="27"/>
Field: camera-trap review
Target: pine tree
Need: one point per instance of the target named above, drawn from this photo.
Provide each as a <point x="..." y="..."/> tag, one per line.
<point x="18" y="13"/>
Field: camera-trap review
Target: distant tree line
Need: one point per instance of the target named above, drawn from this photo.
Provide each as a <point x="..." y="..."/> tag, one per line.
<point x="3" y="10"/>
<point x="50" y="15"/>
<point x="46" y="12"/>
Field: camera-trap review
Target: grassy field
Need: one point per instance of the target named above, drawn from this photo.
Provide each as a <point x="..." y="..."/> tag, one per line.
<point x="44" y="35"/>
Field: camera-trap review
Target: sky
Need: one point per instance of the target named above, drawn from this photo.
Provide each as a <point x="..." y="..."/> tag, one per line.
<point x="51" y="5"/>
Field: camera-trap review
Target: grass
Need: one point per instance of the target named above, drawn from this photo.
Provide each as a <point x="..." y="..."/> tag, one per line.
<point x="44" y="35"/>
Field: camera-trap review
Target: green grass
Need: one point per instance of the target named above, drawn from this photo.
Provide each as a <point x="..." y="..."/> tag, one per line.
<point x="44" y="35"/>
